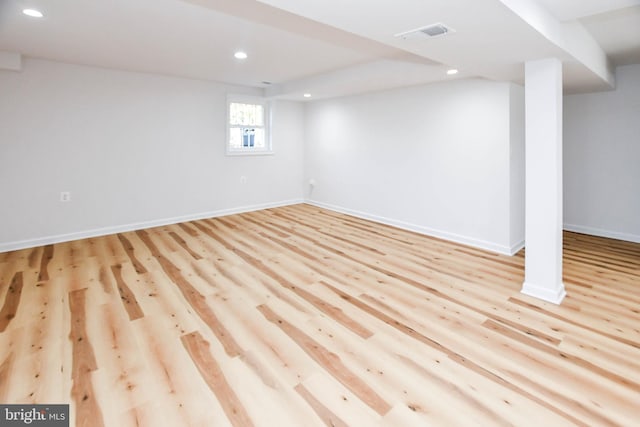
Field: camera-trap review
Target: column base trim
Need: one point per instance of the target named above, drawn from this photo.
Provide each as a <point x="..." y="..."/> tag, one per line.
<point x="544" y="293"/>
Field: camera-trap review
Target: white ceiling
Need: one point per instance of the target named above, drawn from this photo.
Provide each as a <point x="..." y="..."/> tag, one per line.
<point x="327" y="47"/>
<point x="618" y="33"/>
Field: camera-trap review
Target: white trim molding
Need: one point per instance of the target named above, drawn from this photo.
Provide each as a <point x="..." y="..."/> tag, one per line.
<point x="635" y="238"/>
<point x="517" y="247"/>
<point x="30" y="243"/>
<point x="477" y="243"/>
<point x="544" y="293"/>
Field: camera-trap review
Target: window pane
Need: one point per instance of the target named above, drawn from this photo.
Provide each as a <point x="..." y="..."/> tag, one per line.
<point x="246" y="114"/>
<point x="235" y="137"/>
<point x="259" y="138"/>
<point x="247" y="127"/>
<point x="235" y="114"/>
<point x="259" y="119"/>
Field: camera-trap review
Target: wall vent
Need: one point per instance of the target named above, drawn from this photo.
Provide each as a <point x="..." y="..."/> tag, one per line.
<point x="430" y="31"/>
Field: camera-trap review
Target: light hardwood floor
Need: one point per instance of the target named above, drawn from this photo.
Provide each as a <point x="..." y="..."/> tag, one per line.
<point x="299" y="316"/>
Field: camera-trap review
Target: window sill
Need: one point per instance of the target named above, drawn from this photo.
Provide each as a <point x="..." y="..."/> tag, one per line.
<point x="250" y="153"/>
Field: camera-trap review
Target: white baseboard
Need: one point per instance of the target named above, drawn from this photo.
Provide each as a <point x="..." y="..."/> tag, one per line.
<point x="30" y="243"/>
<point x="603" y="233"/>
<point x="553" y="296"/>
<point x="477" y="243"/>
<point x="502" y="249"/>
<point x="516" y="247"/>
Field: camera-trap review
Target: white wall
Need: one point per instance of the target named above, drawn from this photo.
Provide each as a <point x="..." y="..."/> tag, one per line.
<point x="444" y="159"/>
<point x="602" y="159"/>
<point x="517" y="167"/>
<point x="435" y="159"/>
<point x="133" y="149"/>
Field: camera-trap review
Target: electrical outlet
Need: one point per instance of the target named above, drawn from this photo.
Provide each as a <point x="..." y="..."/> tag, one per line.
<point x="65" y="196"/>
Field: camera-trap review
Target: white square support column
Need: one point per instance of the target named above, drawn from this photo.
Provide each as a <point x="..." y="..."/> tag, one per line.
<point x="543" y="199"/>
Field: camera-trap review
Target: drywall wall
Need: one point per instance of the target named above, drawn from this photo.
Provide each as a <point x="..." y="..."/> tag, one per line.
<point x="434" y="159"/>
<point x="133" y="149"/>
<point x="602" y="159"/>
<point x="517" y="167"/>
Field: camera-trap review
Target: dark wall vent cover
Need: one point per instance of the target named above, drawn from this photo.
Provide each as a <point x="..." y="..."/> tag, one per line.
<point x="430" y="31"/>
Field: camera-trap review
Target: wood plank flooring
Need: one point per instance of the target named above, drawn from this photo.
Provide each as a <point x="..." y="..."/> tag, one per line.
<point x="299" y="316"/>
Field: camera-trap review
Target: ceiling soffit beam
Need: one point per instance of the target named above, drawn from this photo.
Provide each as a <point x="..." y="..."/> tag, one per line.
<point x="570" y="36"/>
<point x="397" y="72"/>
<point x="264" y="14"/>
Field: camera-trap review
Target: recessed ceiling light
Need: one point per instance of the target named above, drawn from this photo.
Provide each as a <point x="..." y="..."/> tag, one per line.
<point x="33" y="13"/>
<point x="452" y="71"/>
<point x="307" y="95"/>
<point x="240" y="55"/>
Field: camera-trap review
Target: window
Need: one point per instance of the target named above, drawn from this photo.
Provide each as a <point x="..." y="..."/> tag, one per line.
<point x="248" y="126"/>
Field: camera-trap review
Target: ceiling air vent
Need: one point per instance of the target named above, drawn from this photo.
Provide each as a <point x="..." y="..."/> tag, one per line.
<point x="430" y="31"/>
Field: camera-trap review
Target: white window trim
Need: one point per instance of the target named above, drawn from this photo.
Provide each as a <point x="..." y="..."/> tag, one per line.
<point x="248" y="99"/>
